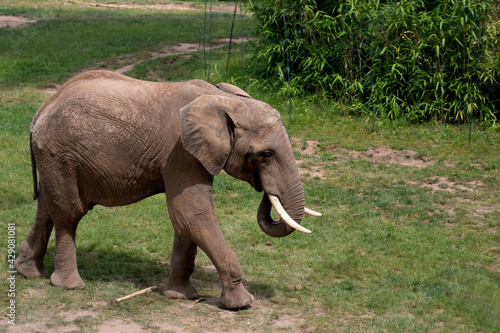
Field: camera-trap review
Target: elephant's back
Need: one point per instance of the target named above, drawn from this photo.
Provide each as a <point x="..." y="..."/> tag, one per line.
<point x="99" y="103"/>
<point x="106" y="119"/>
<point x="106" y="112"/>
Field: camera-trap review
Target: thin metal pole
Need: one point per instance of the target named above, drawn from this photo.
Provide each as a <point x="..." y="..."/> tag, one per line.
<point x="373" y="66"/>
<point x="242" y="60"/>
<point x="231" y="34"/>
<point x="204" y="38"/>
<point x="287" y="65"/>
<point x="476" y="75"/>
<point x="210" y="22"/>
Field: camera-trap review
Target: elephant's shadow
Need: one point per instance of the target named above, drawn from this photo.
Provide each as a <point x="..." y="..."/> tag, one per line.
<point x="111" y="265"/>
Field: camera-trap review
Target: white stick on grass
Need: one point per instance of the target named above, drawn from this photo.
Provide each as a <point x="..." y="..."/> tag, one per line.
<point x="140" y="292"/>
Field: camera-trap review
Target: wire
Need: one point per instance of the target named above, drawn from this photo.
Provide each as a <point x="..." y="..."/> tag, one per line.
<point x="242" y="61"/>
<point x="207" y="68"/>
<point x="210" y="22"/>
<point x="477" y="64"/>
<point x="373" y="66"/>
<point x="231" y="34"/>
<point x="287" y="65"/>
<point x="204" y="37"/>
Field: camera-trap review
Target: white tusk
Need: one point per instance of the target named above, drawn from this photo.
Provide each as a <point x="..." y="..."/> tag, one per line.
<point x="311" y="212"/>
<point x="284" y="215"/>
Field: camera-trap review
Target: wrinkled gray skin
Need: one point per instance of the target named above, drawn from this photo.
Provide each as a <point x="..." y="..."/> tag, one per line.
<point x="106" y="139"/>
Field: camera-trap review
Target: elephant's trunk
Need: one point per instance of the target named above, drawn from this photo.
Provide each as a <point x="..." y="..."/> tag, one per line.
<point x="292" y="205"/>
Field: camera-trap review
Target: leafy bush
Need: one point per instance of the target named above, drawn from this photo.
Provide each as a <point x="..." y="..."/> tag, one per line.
<point x="423" y="54"/>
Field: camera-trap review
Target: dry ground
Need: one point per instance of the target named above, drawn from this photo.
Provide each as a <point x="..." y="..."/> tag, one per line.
<point x="159" y="5"/>
<point x="13" y="21"/>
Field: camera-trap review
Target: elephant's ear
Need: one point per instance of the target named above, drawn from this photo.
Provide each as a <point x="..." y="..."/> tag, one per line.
<point x="230" y="89"/>
<point x="207" y="130"/>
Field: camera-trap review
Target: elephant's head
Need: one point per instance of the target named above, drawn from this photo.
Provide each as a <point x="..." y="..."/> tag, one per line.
<point x="247" y="139"/>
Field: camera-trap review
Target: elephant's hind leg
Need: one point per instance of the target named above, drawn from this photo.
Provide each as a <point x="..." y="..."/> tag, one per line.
<point x="30" y="261"/>
<point x="181" y="268"/>
<point x="66" y="209"/>
<point x="66" y="272"/>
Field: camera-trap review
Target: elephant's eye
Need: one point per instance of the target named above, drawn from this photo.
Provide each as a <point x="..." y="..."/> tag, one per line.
<point x="266" y="156"/>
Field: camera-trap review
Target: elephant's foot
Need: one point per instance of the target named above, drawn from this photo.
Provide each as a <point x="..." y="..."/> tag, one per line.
<point x="30" y="268"/>
<point x="235" y="297"/>
<point x="180" y="291"/>
<point x="68" y="281"/>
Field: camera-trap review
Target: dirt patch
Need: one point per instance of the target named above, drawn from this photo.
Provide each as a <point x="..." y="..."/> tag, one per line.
<point x="308" y="147"/>
<point x="119" y="326"/>
<point x="65" y="318"/>
<point x="181" y="49"/>
<point x="177" y="49"/>
<point x="182" y="316"/>
<point x="290" y="323"/>
<point x="377" y="155"/>
<point x="438" y="183"/>
<point x="386" y="155"/>
<point x="71" y="315"/>
<point x="310" y="170"/>
<point x="480" y="212"/>
<point x="14" y="21"/>
<point x="40" y="327"/>
<point x="30" y="327"/>
<point x="168" y="326"/>
<point x="169" y="51"/>
<point x="160" y="5"/>
<point x="495" y="268"/>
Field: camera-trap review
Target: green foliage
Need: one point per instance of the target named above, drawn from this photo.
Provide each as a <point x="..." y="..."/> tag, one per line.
<point x="424" y="54"/>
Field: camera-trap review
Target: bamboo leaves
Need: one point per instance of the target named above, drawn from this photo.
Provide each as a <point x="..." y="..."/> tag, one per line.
<point x="425" y="56"/>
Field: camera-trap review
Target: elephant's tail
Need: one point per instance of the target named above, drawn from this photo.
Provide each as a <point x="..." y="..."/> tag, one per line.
<point x="33" y="171"/>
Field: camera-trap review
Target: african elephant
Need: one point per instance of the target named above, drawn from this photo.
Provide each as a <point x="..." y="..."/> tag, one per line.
<point x="107" y="139"/>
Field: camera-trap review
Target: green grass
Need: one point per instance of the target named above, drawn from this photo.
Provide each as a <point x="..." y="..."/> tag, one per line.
<point x="66" y="42"/>
<point x="388" y="254"/>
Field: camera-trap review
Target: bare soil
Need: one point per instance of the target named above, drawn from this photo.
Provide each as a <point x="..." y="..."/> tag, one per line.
<point x="13" y="21"/>
<point x="437" y="183"/>
<point x="377" y="155"/>
<point x="386" y="155"/>
<point x="182" y="48"/>
<point x="159" y="5"/>
<point x="171" y="322"/>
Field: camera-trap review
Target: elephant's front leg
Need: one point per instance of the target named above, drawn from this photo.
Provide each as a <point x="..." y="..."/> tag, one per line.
<point x="192" y="213"/>
<point x="234" y="295"/>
